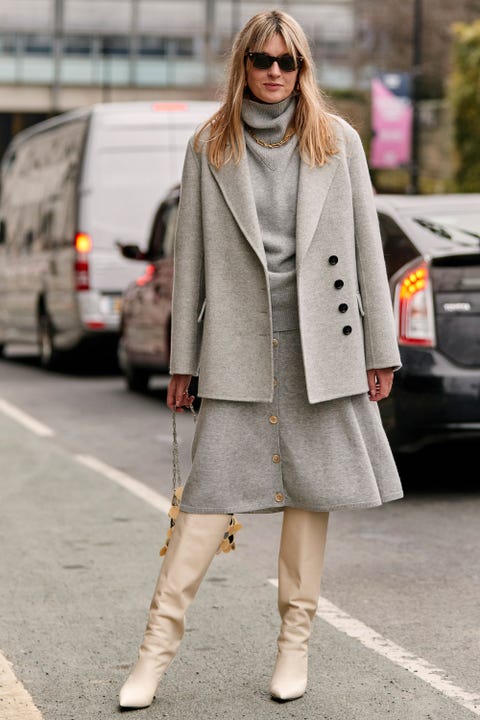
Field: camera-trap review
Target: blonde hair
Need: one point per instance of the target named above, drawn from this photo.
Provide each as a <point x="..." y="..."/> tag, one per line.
<point x="311" y="122"/>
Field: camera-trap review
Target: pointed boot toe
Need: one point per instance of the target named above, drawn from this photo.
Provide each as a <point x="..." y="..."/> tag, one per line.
<point x="139" y="689"/>
<point x="289" y="679"/>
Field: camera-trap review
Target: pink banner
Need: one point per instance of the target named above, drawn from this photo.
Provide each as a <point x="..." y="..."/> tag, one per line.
<point x="391" y="121"/>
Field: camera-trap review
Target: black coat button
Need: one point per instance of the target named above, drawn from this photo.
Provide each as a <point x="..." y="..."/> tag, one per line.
<point x="333" y="259"/>
<point x="343" y="307"/>
<point x="338" y="284"/>
<point x="347" y="330"/>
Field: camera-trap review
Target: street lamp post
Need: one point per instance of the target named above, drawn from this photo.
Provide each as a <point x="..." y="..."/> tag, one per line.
<point x="57" y="54"/>
<point x="106" y="60"/>
<point x="208" y="41"/>
<point x="235" y="17"/>
<point x="416" y="76"/>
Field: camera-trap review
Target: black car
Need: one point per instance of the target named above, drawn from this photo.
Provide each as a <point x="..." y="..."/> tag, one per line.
<point x="432" y="252"/>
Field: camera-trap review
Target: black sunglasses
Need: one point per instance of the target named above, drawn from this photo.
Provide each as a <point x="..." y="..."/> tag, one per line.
<point x="262" y="61"/>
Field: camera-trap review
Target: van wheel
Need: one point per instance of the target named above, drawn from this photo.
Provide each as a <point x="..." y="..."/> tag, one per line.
<point x="137" y="379"/>
<point x="46" y="346"/>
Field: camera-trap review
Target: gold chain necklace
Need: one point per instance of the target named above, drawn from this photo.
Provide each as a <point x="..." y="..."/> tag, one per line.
<point x="288" y="135"/>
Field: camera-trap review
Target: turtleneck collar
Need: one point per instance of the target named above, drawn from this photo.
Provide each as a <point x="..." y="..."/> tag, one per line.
<point x="269" y="120"/>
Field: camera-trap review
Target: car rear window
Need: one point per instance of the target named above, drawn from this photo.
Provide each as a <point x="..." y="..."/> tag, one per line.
<point x="461" y="228"/>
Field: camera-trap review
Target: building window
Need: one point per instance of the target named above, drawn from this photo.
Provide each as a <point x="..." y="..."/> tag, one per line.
<point x="77" y="45"/>
<point x="8" y="44"/>
<point x="148" y="45"/>
<point x="37" y="44"/>
<point x="115" y="45"/>
<point x="183" y="47"/>
<point x="331" y="49"/>
<point x="172" y="46"/>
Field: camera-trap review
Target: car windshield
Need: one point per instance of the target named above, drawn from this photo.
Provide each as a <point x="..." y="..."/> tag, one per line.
<point x="462" y="228"/>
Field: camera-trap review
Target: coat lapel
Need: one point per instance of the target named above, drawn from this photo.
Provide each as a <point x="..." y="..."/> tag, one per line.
<point x="234" y="182"/>
<point x="313" y="186"/>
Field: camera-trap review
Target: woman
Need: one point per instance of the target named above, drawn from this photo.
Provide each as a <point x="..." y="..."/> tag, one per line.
<point x="281" y="306"/>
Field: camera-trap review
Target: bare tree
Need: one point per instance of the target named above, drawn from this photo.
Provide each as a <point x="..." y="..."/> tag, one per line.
<point x="385" y="37"/>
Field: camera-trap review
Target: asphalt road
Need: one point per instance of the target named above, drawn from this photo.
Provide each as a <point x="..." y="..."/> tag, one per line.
<point x="398" y="632"/>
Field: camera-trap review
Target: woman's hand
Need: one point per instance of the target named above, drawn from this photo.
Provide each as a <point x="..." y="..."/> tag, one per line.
<point x="177" y="394"/>
<point x="379" y="383"/>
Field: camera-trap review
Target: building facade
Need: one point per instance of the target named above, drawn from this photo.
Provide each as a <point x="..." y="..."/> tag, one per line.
<point x="59" y="54"/>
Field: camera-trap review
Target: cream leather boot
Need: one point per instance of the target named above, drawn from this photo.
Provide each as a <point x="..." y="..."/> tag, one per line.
<point x="195" y="540"/>
<point x="300" y="564"/>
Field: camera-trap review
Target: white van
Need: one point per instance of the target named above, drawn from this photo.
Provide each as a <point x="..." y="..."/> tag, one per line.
<point x="73" y="187"/>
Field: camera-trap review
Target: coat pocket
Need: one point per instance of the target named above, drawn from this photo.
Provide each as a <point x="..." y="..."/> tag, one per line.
<point x="360" y="304"/>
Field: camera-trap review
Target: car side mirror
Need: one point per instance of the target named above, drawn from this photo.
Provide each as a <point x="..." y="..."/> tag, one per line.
<point x="132" y="252"/>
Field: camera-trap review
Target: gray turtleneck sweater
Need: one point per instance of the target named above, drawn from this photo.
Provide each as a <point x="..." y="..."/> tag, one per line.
<point x="274" y="177"/>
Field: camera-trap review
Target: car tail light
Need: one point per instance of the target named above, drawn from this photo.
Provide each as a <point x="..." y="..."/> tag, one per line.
<point x="83" y="245"/>
<point x="414" y="307"/>
<point x="147" y="276"/>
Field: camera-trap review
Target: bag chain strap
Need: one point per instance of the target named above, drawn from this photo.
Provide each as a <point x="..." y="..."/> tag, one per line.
<point x="177" y="481"/>
<point x="228" y="542"/>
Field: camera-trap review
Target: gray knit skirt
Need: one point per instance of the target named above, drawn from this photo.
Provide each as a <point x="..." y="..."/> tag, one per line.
<point x="252" y="457"/>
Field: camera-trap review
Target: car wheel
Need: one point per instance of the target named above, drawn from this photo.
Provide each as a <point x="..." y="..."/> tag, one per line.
<point x="137" y="378"/>
<point x="46" y="346"/>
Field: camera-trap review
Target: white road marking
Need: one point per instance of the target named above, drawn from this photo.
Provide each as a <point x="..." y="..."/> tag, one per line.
<point x="24" y="419"/>
<point x="15" y="701"/>
<point x="18" y="699"/>
<point x="126" y="481"/>
<point x="433" y="676"/>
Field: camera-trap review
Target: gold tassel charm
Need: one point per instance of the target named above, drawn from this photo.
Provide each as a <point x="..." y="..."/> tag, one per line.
<point x="172" y="514"/>
<point x="228" y="542"/>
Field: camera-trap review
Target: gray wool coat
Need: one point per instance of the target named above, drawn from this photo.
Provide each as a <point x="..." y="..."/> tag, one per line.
<point x="221" y="314"/>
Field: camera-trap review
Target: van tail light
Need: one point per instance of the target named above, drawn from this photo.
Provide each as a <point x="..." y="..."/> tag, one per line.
<point x="413" y="306"/>
<point x="147" y="276"/>
<point x="83" y="245"/>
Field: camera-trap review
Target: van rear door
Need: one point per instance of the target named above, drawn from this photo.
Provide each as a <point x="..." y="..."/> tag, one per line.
<point x="134" y="155"/>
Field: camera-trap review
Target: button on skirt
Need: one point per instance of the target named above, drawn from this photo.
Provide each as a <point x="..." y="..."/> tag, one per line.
<point x="251" y="457"/>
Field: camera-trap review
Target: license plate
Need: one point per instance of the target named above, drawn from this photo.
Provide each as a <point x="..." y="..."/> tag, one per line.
<point x="111" y="304"/>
